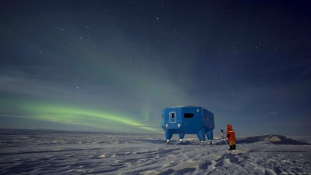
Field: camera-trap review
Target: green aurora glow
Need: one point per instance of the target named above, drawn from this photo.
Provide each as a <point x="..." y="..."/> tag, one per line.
<point x="76" y="115"/>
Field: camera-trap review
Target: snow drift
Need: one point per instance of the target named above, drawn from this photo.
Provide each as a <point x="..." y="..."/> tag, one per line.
<point x="56" y="152"/>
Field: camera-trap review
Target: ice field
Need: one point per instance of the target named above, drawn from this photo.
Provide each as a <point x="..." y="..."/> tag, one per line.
<point x="60" y="152"/>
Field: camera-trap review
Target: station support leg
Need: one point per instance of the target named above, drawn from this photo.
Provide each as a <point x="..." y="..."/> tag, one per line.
<point x="201" y="135"/>
<point x="181" y="136"/>
<point x="168" y="137"/>
<point x="209" y="135"/>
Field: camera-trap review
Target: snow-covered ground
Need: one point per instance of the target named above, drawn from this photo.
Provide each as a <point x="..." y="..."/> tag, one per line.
<point x="56" y="152"/>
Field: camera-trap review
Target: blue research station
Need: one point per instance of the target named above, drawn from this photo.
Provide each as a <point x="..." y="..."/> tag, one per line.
<point x="188" y="120"/>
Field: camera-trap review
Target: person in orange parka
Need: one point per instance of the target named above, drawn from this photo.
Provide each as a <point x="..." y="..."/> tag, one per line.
<point x="231" y="137"/>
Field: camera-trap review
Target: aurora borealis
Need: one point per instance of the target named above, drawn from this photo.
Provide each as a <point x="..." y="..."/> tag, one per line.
<point x="112" y="66"/>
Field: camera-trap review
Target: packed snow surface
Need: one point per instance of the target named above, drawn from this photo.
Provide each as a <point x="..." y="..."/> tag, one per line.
<point x="57" y="152"/>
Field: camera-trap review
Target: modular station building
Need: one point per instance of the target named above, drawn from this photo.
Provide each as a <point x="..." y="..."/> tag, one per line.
<point x="188" y="120"/>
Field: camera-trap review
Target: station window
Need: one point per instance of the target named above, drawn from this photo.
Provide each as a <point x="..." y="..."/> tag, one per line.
<point x="188" y="115"/>
<point x="172" y="116"/>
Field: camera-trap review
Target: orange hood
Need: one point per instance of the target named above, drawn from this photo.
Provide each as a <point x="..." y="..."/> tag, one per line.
<point x="229" y="127"/>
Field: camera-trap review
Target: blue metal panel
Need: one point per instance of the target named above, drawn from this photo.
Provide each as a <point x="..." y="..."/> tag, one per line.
<point x="188" y="120"/>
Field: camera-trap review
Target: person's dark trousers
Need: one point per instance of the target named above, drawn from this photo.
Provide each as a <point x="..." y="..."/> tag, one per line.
<point x="232" y="147"/>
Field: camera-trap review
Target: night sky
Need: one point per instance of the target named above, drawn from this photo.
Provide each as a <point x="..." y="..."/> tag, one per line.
<point x="112" y="66"/>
